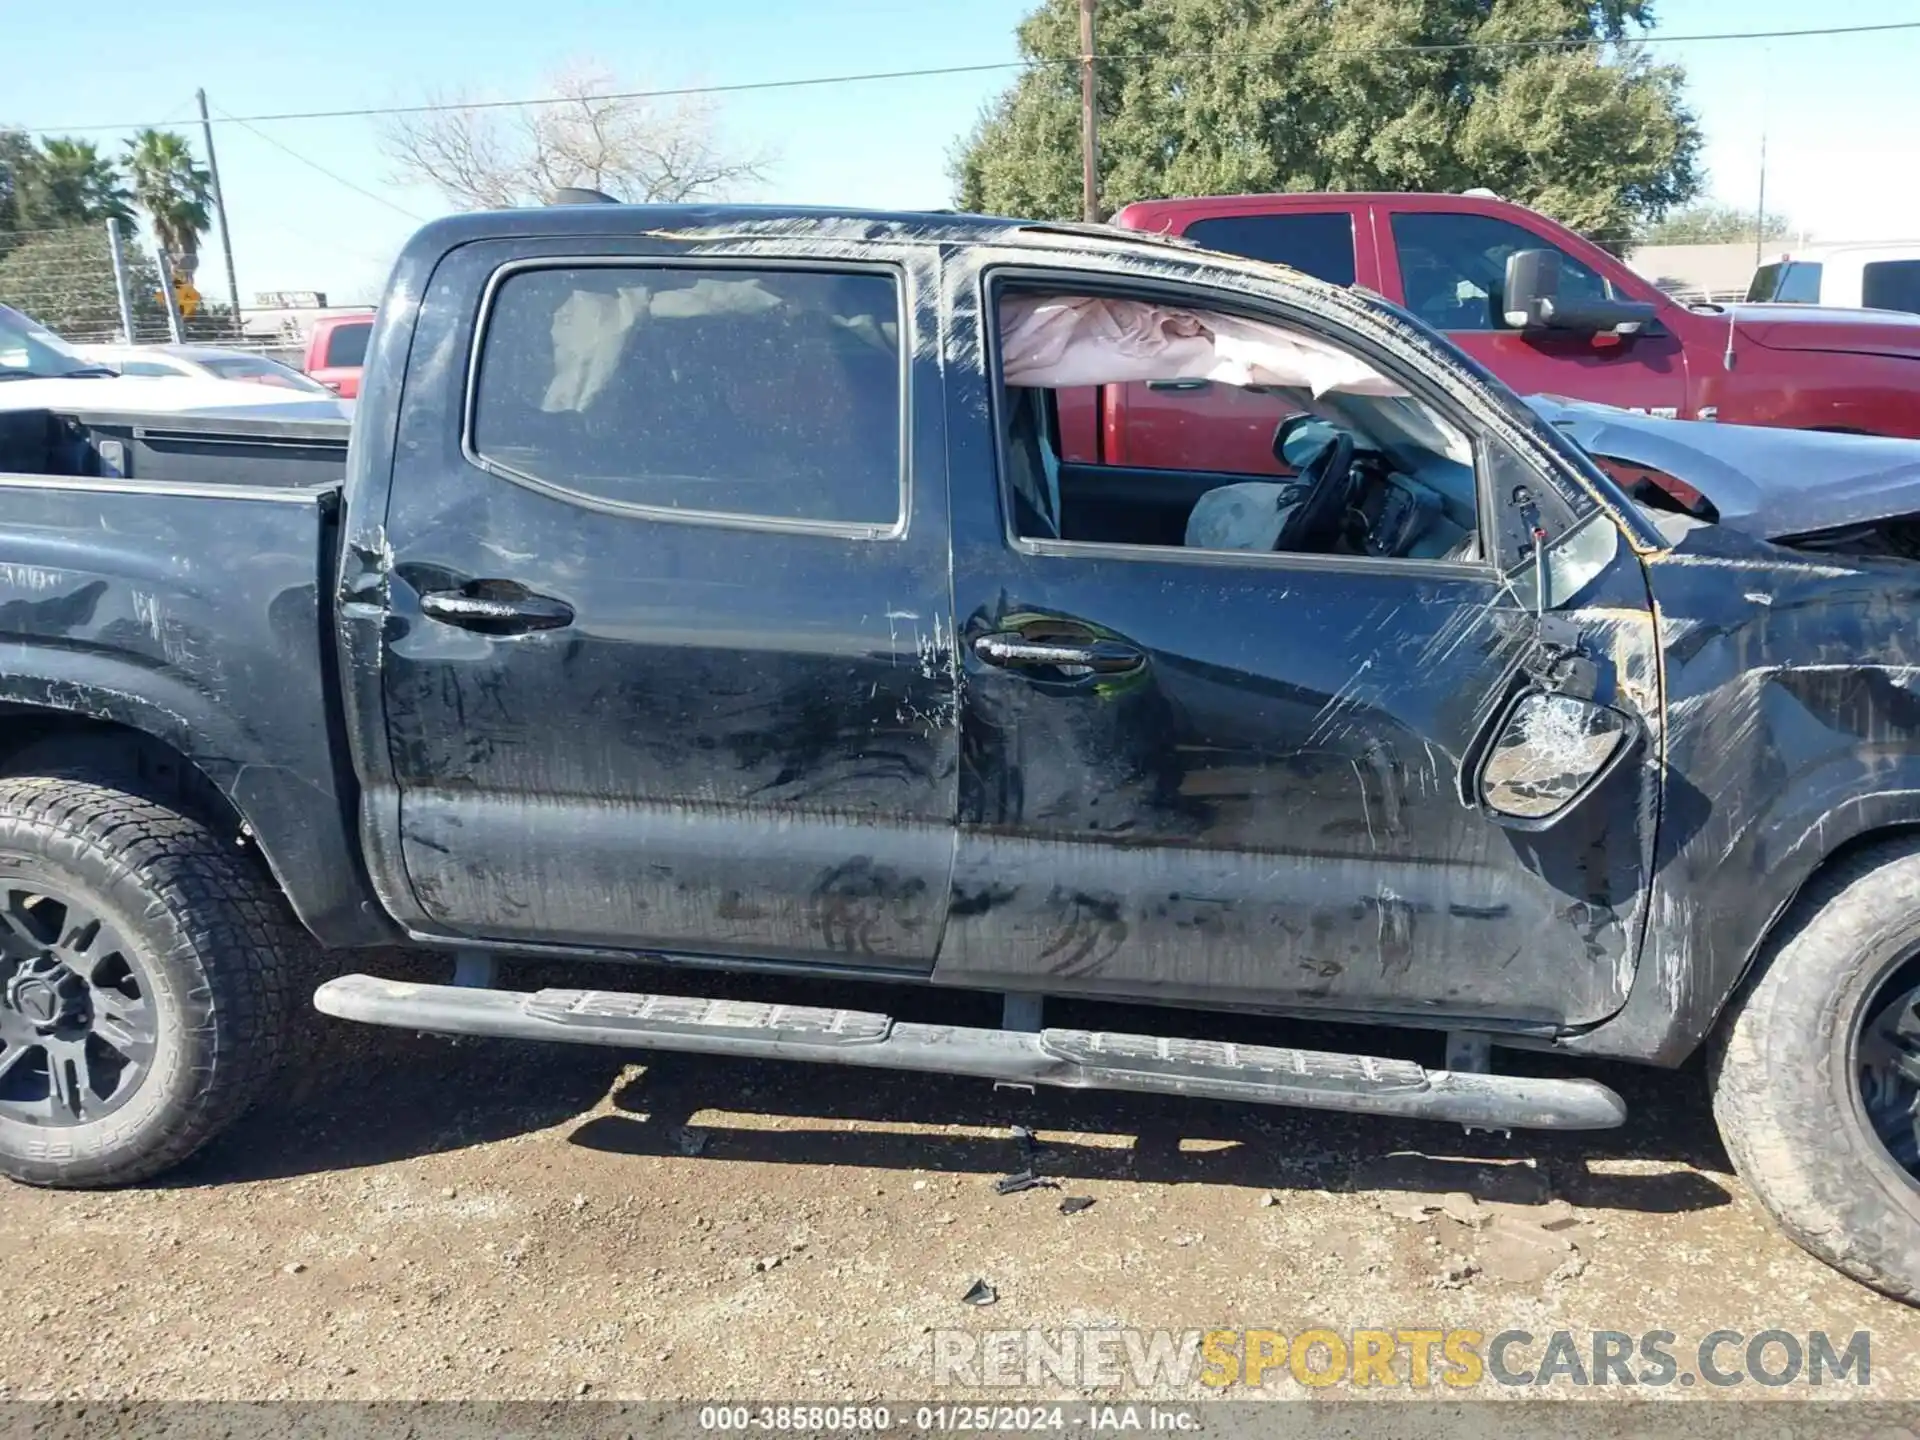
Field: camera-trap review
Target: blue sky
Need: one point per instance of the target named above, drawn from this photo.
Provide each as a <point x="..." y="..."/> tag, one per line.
<point x="1842" y="129"/>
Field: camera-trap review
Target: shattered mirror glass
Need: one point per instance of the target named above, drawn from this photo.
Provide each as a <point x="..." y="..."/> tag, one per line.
<point x="1550" y="750"/>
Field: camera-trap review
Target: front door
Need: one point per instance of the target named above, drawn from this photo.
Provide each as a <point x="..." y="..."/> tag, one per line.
<point x="1232" y="775"/>
<point x="667" y="654"/>
<point x="1451" y="267"/>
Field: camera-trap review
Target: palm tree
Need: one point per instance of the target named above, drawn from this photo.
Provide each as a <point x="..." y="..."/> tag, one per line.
<point x="175" y="192"/>
<point x="69" y="182"/>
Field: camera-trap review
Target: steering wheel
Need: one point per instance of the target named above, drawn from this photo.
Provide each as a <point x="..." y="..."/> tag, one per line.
<point x="1315" y="520"/>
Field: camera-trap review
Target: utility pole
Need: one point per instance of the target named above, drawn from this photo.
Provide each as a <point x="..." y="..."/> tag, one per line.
<point x="1760" y="211"/>
<point x="1089" y="140"/>
<point x="220" y="211"/>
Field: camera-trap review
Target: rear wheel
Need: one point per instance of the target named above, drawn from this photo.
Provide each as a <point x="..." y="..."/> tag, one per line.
<point x="142" y="998"/>
<point x="1817" y="1075"/>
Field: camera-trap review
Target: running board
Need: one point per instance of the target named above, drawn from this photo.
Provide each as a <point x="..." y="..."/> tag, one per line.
<point x="1075" y="1059"/>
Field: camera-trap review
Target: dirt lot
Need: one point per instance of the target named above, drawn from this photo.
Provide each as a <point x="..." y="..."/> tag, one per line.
<point x="505" y="1221"/>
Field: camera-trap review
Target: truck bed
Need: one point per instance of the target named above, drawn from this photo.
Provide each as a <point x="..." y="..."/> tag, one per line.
<point x="196" y="612"/>
<point x="197" y="450"/>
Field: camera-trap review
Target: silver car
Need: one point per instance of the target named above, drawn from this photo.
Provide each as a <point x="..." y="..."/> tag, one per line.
<point x="201" y="362"/>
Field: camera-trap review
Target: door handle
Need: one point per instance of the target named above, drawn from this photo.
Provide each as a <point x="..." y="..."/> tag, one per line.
<point x="1011" y="650"/>
<point x="496" y="607"/>
<point x="1178" y="384"/>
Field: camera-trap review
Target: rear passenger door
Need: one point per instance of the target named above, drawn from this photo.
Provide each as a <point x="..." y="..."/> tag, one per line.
<point x="1201" y="425"/>
<point x="668" y="662"/>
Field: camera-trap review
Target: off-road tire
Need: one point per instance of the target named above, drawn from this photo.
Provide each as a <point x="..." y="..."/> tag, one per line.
<point x="213" y="938"/>
<point x="1785" y="1087"/>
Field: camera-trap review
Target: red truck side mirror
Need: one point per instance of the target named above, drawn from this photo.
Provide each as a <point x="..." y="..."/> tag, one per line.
<point x="1531" y="301"/>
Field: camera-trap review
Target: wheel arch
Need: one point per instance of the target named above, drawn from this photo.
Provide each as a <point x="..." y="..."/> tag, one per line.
<point x="1706" y="933"/>
<point x="168" y="734"/>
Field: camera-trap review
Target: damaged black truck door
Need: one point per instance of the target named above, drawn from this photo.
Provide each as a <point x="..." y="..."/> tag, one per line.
<point x="1276" y="803"/>
<point x="664" y="666"/>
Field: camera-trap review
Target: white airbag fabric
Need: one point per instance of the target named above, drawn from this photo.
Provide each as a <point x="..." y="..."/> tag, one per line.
<point x="1057" y="342"/>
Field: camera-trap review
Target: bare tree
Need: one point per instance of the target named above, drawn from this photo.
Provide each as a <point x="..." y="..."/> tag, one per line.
<point x="638" y="150"/>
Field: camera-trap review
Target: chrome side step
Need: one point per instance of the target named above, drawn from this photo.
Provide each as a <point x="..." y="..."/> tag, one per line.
<point x="1075" y="1059"/>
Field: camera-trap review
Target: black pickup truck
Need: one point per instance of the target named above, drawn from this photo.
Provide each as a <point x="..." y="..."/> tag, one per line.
<point x="704" y="586"/>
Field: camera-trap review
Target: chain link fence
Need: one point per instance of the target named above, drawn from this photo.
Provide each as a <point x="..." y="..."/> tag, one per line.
<point x="71" y="281"/>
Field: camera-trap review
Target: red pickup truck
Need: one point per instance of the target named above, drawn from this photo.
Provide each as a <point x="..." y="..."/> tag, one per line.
<point x="1586" y="327"/>
<point x="336" y="350"/>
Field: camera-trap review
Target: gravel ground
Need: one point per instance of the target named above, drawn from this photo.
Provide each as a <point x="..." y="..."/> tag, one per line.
<point x="499" y="1221"/>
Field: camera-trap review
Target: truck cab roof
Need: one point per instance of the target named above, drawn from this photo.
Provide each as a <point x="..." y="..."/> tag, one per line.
<point x="768" y="221"/>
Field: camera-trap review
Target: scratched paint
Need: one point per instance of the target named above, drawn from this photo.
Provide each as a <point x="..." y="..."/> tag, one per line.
<point x="1793" y="726"/>
<point x="192" y="636"/>
<point x="731" y="716"/>
<point x="785" y="747"/>
<point x="1268" y="813"/>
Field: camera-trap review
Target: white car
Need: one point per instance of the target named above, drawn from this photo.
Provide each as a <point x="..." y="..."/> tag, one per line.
<point x="201" y="362"/>
<point x="40" y="371"/>
<point x="1854" y="277"/>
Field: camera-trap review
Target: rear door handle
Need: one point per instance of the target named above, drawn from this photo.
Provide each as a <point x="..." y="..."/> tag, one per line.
<point x="496" y="607"/>
<point x="1178" y="384"/>
<point x="1011" y="650"/>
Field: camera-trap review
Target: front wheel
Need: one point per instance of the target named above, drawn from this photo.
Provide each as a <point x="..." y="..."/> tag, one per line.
<point x="142" y="998"/>
<point x="1816" y="1078"/>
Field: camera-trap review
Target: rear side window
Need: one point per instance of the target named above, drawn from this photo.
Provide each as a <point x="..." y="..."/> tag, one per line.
<point x="1321" y="245"/>
<point x="239" y="367"/>
<point x="751" y="393"/>
<point x="347" y="344"/>
<point x="1891" y="285"/>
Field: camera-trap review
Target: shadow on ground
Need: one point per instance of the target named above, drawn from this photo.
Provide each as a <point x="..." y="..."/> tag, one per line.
<point x="369" y="1096"/>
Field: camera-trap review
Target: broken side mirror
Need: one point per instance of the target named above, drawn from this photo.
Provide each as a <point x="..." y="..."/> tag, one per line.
<point x="1530" y="300"/>
<point x="1549" y="752"/>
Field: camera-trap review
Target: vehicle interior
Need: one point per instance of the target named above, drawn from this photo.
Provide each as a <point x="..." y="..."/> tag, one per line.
<point x="1374" y="471"/>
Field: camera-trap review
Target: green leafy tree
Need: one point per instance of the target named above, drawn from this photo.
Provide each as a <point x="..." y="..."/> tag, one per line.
<point x="1715" y="223"/>
<point x="177" y="194"/>
<point x="64" y="279"/>
<point x="69" y="182"/>
<point x="1218" y="96"/>
<point x="61" y="182"/>
<point x="16" y="154"/>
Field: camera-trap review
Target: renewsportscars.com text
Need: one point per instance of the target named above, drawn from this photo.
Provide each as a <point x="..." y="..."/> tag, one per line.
<point x="1411" y="1358"/>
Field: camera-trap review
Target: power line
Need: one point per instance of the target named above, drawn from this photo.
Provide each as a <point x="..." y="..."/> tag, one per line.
<point x="316" y="165"/>
<point x="438" y="107"/>
<point x="865" y="77"/>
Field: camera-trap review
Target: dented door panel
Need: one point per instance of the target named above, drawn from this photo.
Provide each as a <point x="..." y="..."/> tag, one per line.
<point x="1268" y="812"/>
<point x="1793" y="711"/>
<point x="743" y="743"/>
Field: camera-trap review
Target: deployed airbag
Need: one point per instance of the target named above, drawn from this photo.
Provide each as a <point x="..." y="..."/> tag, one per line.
<point x="1060" y="341"/>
